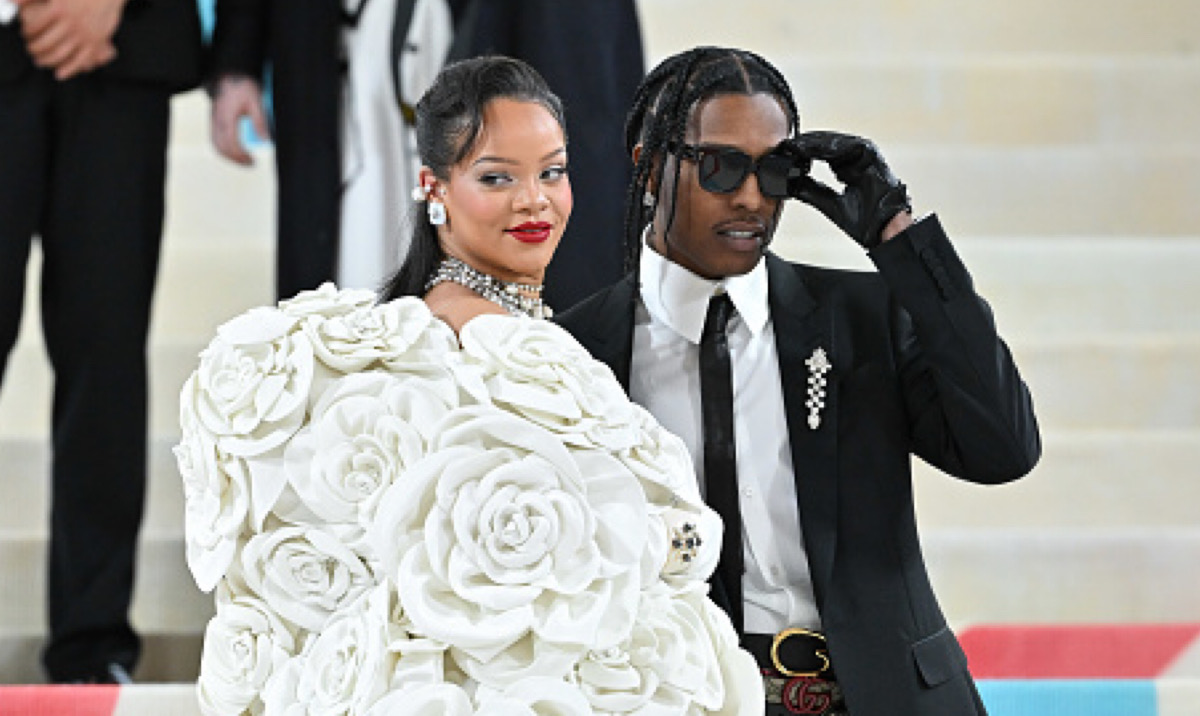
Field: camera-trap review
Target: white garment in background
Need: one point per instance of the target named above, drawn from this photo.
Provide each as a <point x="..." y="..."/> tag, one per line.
<point x="379" y="156"/>
<point x="7" y="12"/>
<point x="665" y="379"/>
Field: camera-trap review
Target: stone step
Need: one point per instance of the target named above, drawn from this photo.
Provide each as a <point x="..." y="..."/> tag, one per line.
<point x="1041" y="191"/>
<point x="855" y="28"/>
<point x="1054" y="285"/>
<point x="1071" y="575"/>
<point x="1007" y="99"/>
<point x="982" y="575"/>
<point x="166" y="599"/>
<point x="978" y="190"/>
<point x="25" y="489"/>
<point x="1001" y="99"/>
<point x="1098" y="478"/>
<point x="1038" y="286"/>
<point x="167" y="658"/>
<point x="1085" y="480"/>
<point x="1088" y="381"/>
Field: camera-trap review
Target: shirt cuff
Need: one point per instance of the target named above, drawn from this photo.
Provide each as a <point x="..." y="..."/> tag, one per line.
<point x="7" y="12"/>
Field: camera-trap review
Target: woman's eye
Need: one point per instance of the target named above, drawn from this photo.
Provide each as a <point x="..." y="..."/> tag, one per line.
<point x="494" y="179"/>
<point x="554" y="173"/>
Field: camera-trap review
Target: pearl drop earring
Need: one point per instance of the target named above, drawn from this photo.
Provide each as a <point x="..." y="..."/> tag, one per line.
<point x="437" y="213"/>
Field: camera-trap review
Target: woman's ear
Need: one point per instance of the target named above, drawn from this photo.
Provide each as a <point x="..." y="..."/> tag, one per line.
<point x="428" y="184"/>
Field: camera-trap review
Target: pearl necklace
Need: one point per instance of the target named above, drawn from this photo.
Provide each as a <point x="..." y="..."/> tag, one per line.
<point x="506" y="294"/>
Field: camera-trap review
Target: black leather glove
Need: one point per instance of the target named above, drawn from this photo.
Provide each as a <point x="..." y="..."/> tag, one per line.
<point x="872" y="195"/>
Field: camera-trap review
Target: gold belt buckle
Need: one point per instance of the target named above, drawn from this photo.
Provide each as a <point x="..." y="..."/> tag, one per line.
<point x="796" y="631"/>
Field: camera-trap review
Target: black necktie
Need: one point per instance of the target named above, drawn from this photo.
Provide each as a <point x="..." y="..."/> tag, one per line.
<point x="720" y="451"/>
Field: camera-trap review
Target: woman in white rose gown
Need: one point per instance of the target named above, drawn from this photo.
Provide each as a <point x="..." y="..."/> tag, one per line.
<point x="434" y="503"/>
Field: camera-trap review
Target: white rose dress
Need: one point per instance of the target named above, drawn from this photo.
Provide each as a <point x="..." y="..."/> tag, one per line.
<point x="396" y="520"/>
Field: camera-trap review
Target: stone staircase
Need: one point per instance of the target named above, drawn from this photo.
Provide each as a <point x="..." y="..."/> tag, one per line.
<point x="1055" y="141"/>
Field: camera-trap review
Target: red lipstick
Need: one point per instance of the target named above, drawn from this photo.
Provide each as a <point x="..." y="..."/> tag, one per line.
<point x="531" y="232"/>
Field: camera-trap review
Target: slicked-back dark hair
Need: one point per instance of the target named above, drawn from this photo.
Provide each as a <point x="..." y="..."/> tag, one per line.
<point x="661" y="110"/>
<point x="449" y="120"/>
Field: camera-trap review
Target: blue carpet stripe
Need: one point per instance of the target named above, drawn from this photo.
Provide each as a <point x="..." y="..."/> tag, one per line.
<point x="1069" y="697"/>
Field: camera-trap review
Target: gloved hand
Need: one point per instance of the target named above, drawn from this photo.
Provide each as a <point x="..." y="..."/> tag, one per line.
<point x="872" y="195"/>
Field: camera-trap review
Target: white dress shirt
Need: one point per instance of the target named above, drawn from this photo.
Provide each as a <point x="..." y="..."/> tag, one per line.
<point x="7" y="12"/>
<point x="665" y="379"/>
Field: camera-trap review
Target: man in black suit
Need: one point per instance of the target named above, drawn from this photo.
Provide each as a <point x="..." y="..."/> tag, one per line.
<point x="85" y="91"/>
<point x="833" y="380"/>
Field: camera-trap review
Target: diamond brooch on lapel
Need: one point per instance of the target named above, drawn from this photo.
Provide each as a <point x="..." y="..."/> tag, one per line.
<point x="818" y="365"/>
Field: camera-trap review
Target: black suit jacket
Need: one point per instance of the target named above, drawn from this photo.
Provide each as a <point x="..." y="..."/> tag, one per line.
<point x="918" y="368"/>
<point x="158" y="41"/>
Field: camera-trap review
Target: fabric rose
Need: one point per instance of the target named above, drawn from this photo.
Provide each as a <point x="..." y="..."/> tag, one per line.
<point x="364" y="432"/>
<point x="245" y="644"/>
<point x="395" y="523"/>
<point x="304" y="574"/>
<point x="660" y="460"/>
<point x="366" y="336"/>
<point x="327" y="300"/>
<point x="514" y="550"/>
<point x="344" y="668"/>
<point x="216" y="502"/>
<point x="537" y="370"/>
<point x="668" y="665"/>
<point x="253" y="383"/>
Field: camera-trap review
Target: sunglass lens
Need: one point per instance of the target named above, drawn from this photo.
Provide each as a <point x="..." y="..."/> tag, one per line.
<point x="773" y="171"/>
<point x="723" y="171"/>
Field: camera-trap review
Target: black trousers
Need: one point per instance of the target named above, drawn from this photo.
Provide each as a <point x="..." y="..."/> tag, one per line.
<point x="82" y="169"/>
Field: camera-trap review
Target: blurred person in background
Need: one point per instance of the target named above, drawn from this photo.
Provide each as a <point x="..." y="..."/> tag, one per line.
<point x="85" y="100"/>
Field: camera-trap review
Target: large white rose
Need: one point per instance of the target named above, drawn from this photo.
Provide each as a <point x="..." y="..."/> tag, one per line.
<point x="660" y="459"/>
<point x="371" y="335"/>
<point x="514" y="550"/>
<point x="245" y="644"/>
<point x="327" y="300"/>
<point x="344" y="668"/>
<point x="253" y="383"/>
<point x="537" y="370"/>
<point x="365" y="431"/>
<point x="670" y="665"/>
<point x="304" y="574"/>
<point x="216" y="501"/>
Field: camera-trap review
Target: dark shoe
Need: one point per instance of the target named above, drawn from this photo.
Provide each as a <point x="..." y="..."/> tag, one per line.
<point x="114" y="673"/>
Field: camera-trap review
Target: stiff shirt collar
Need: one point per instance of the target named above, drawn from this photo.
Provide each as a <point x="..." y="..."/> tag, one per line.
<point x="679" y="298"/>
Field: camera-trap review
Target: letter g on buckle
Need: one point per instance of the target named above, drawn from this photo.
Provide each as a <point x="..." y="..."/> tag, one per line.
<point x="783" y="636"/>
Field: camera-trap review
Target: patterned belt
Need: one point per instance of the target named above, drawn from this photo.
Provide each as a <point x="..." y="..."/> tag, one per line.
<point x="797" y="675"/>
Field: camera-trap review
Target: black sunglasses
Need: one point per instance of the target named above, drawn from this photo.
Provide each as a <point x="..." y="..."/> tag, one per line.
<point x="723" y="169"/>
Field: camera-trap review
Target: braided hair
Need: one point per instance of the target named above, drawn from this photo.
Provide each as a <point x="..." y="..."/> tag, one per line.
<point x="659" y="117"/>
<point x="449" y="121"/>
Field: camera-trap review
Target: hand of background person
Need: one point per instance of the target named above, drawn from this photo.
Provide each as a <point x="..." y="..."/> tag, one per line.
<point x="70" y="36"/>
<point x="868" y="206"/>
<point x="234" y="97"/>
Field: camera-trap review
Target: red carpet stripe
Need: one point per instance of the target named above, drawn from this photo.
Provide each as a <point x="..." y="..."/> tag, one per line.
<point x="58" y="700"/>
<point x="1096" y="651"/>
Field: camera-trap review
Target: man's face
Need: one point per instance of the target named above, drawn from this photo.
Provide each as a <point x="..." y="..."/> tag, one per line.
<point x="718" y="235"/>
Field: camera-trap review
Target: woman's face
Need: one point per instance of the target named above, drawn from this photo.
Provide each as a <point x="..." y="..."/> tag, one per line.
<point x="508" y="201"/>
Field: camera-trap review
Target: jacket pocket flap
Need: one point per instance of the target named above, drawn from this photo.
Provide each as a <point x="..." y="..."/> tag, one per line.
<point x="939" y="657"/>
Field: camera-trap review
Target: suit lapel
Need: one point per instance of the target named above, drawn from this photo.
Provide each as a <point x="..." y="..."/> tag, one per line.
<point x="609" y="335"/>
<point x="801" y="327"/>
